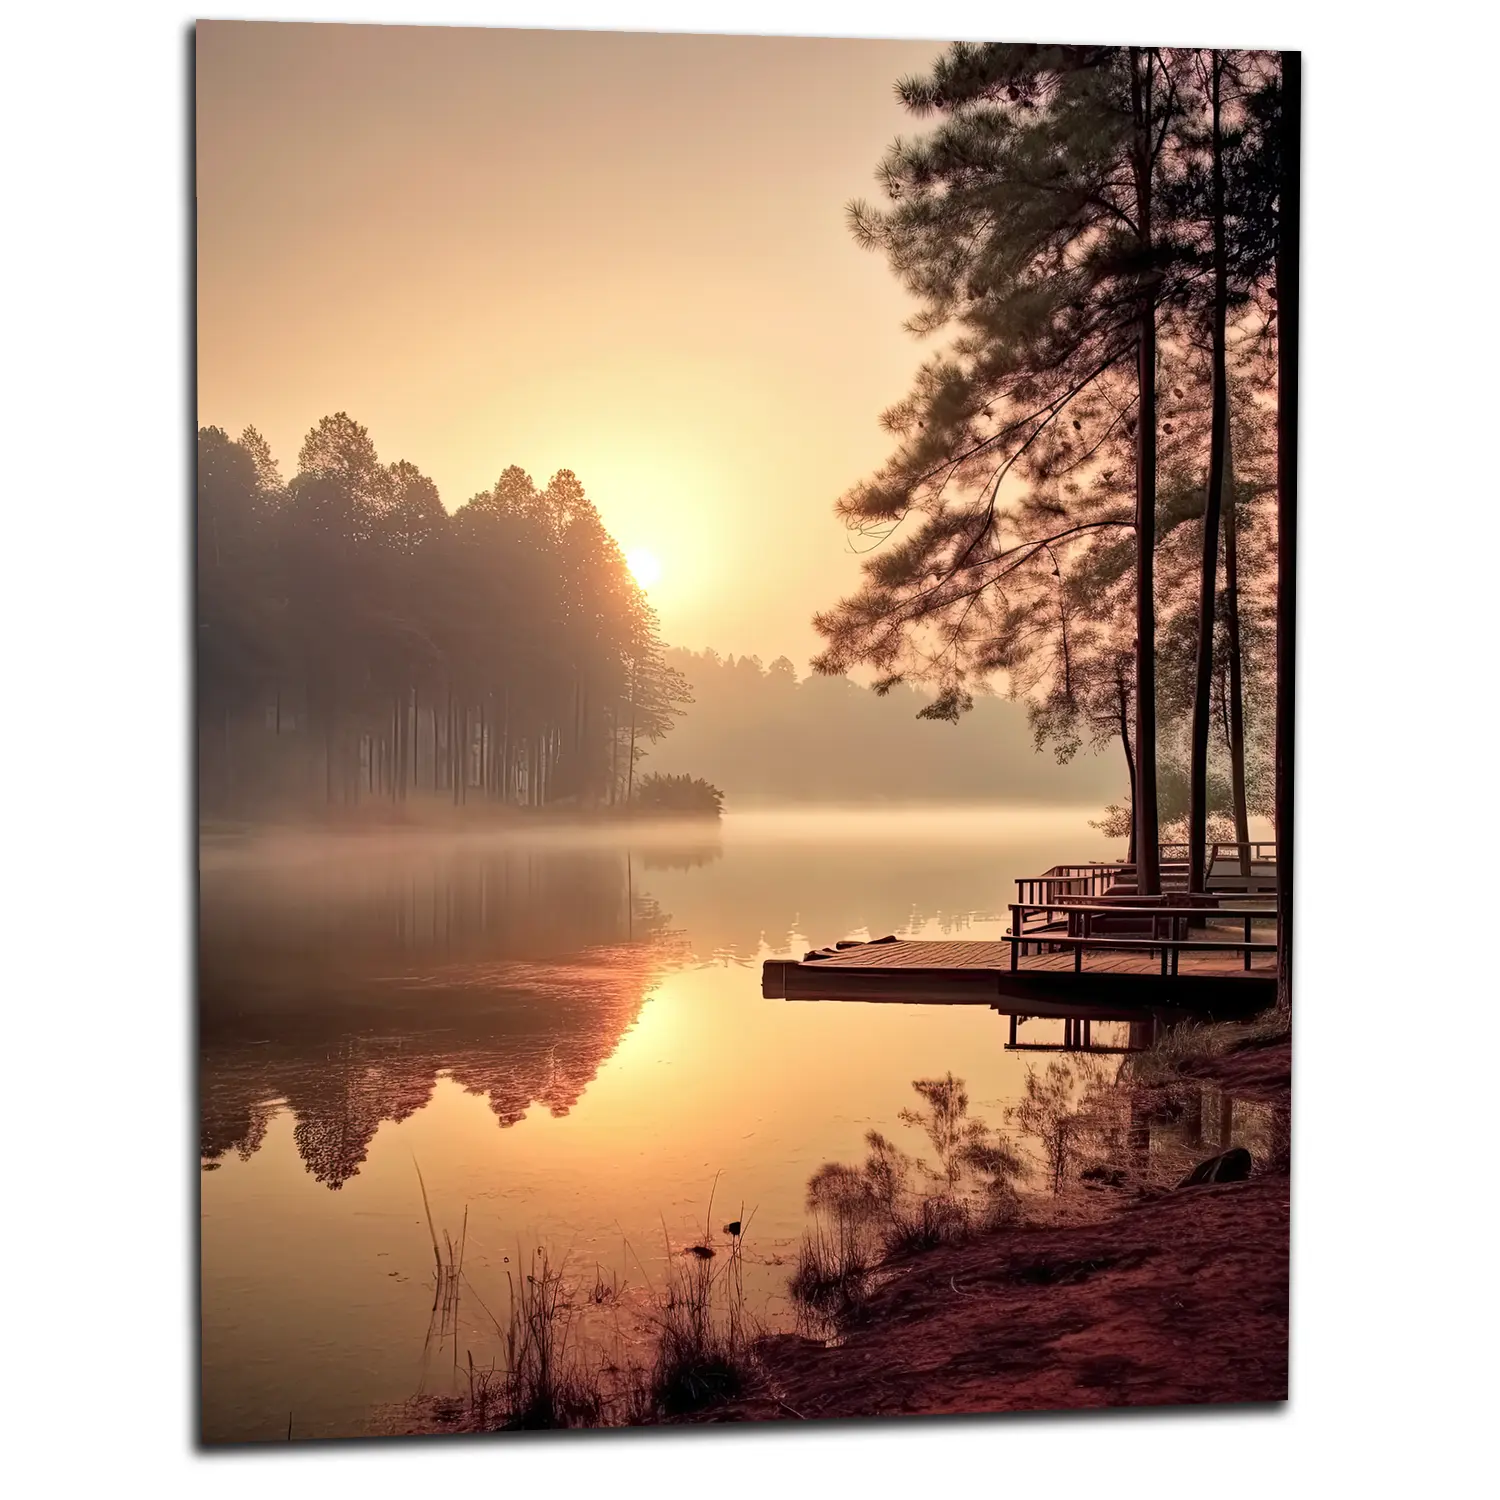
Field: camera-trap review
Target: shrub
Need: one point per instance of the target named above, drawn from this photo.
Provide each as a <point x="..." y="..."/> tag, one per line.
<point x="678" y="796"/>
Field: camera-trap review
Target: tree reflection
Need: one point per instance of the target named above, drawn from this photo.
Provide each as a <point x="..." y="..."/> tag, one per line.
<point x="343" y="993"/>
<point x="895" y="1202"/>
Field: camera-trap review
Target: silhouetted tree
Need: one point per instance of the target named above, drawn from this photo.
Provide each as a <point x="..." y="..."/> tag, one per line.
<point x="1030" y="220"/>
<point x="1058" y="222"/>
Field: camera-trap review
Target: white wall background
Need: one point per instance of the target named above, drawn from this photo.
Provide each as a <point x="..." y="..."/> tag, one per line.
<point x="1393" y="1306"/>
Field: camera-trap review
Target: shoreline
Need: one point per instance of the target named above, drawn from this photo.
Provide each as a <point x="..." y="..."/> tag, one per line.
<point x="1176" y="1297"/>
<point x="1120" y="1292"/>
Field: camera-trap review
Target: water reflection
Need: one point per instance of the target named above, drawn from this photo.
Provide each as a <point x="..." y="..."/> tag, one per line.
<point x="340" y="978"/>
<point x="366" y="1002"/>
<point x="341" y="990"/>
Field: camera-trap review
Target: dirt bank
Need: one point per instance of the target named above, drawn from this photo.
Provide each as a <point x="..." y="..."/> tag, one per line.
<point x="1176" y="1301"/>
<point x="1174" y="1298"/>
<point x="1258" y="1068"/>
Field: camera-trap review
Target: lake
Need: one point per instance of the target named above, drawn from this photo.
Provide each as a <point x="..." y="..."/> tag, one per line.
<point x="562" y="1031"/>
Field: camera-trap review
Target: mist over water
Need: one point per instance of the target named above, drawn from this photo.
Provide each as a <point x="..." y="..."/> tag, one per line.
<point x="562" y="1026"/>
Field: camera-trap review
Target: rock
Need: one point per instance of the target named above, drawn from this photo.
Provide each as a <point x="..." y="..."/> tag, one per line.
<point x="1230" y="1166"/>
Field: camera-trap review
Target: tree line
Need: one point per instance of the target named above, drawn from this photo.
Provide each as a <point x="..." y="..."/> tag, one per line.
<point x="1088" y="493"/>
<point x="356" y="642"/>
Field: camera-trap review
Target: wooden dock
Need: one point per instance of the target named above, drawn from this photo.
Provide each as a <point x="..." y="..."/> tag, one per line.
<point x="1082" y="945"/>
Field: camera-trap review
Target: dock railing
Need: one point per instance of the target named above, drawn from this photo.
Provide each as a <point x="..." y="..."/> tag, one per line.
<point x="1070" y="880"/>
<point x="1170" y="922"/>
<point x="1257" y="849"/>
<point x="1249" y="854"/>
<point x="1100" y="880"/>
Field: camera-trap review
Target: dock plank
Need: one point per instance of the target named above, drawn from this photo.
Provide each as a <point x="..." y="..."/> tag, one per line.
<point x="1117" y="984"/>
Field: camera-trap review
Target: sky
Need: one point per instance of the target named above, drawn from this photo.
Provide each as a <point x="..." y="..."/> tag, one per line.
<point x="621" y="254"/>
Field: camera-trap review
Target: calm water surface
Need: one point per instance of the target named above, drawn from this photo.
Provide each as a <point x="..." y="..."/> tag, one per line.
<point x="564" y="1032"/>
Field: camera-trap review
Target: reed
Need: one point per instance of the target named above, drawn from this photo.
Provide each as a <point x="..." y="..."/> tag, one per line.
<point x="550" y="1375"/>
<point x="545" y="1382"/>
<point x="703" y="1332"/>
<point x="834" y="1265"/>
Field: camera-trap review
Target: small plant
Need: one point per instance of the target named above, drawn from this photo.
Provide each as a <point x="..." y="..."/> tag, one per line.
<point x="833" y="1266"/>
<point x="896" y="1204"/>
<point x="933" y="1221"/>
<point x="1046" y="1113"/>
<point x="703" y="1335"/>
<point x="551" y="1375"/>
<point x="448" y="1264"/>
<point x="604" y="1293"/>
<point x="544" y="1384"/>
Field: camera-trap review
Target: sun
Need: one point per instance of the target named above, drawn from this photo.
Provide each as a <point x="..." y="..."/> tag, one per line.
<point x="644" y="566"/>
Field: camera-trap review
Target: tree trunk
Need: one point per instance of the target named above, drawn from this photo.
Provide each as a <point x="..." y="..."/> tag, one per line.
<point x="630" y="764"/>
<point x="1288" y="299"/>
<point x="483" y="778"/>
<point x="1123" y="704"/>
<point x="614" y="755"/>
<point x="454" y="775"/>
<point x="465" y="749"/>
<point x="1147" y="861"/>
<point x="505" y="749"/>
<point x="1235" y="700"/>
<point x="1208" y="584"/>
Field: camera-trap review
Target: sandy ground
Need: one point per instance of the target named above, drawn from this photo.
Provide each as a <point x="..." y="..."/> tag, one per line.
<point x="1179" y="1301"/>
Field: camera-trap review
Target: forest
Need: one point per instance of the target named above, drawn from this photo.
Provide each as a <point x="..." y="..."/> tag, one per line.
<point x="1089" y="496"/>
<point x="358" y="643"/>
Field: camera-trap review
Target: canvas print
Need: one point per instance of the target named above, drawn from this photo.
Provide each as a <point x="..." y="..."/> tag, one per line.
<point x="743" y="632"/>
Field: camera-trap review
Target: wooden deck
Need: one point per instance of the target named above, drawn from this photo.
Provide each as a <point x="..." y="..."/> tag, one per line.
<point x="1081" y="945"/>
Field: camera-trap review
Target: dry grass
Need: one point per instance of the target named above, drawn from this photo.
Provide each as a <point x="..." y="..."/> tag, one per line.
<point x="551" y="1375"/>
<point x="703" y="1333"/>
<point x="938" y="1220"/>
<point x="1188" y="1041"/>
<point x="448" y="1270"/>
<point x="546" y="1382"/>
<point x="893" y="1204"/>
<point x="833" y="1267"/>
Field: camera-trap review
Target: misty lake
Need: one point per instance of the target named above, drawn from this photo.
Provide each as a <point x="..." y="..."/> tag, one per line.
<point x="563" y="1031"/>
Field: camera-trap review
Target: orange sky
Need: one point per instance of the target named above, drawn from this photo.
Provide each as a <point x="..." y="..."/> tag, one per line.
<point x="620" y="254"/>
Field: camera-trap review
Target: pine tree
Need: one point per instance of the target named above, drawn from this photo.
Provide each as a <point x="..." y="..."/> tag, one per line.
<point x="1031" y="222"/>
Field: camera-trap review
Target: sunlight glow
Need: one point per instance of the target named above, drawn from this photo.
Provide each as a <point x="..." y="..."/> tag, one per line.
<point x="644" y="566"/>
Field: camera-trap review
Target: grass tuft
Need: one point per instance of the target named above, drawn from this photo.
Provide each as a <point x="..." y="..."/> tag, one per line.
<point x="545" y="1383"/>
<point x="703" y="1334"/>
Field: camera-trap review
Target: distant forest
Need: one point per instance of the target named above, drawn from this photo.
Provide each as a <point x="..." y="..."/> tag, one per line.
<point x="358" y="643"/>
<point x="759" y="732"/>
